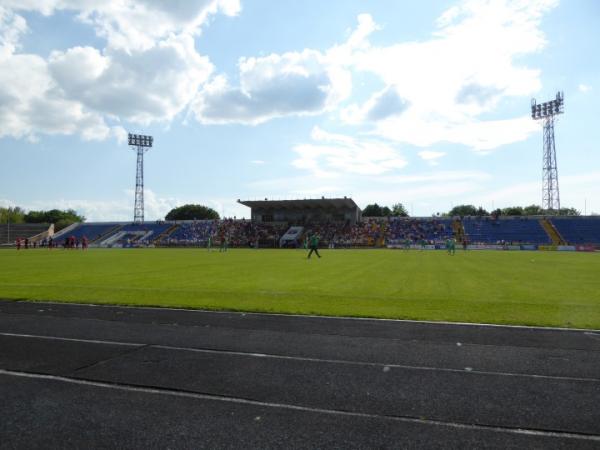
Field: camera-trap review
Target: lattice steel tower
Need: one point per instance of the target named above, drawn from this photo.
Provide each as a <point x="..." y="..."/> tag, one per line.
<point x="141" y="144"/>
<point x="546" y="112"/>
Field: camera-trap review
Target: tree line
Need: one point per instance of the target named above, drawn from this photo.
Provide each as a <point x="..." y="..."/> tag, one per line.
<point x="60" y="218"/>
<point x="374" y="210"/>
<point x="531" y="210"/>
<point x="64" y="218"/>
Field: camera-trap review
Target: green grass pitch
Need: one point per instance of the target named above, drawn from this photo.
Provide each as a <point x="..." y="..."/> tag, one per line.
<point x="529" y="288"/>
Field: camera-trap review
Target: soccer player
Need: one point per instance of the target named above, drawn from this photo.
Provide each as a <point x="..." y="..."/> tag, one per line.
<point x="314" y="245"/>
<point x="223" y="244"/>
<point x="209" y="243"/>
<point x="450" y="246"/>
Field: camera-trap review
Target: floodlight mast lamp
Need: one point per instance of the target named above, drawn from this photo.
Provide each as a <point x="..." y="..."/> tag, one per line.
<point x="547" y="112"/>
<point x="140" y="144"/>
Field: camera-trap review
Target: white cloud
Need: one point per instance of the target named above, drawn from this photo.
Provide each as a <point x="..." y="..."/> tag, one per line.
<point x="585" y="88"/>
<point x="332" y="154"/>
<point x="140" y="86"/>
<point x="382" y="105"/>
<point x="307" y="82"/>
<point x="294" y="83"/>
<point x="155" y="206"/>
<point x="465" y="69"/>
<point x="427" y="191"/>
<point x="12" y="27"/>
<point x="579" y="191"/>
<point x="149" y="70"/>
<point x="258" y="162"/>
<point x="430" y="156"/>
<point x="477" y="134"/>
<point x="135" y="24"/>
<point x="32" y="103"/>
<point x="435" y="90"/>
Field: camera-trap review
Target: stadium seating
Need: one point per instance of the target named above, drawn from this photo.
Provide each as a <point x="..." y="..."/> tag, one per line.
<point x="578" y="230"/>
<point x="245" y="233"/>
<point x="434" y="230"/>
<point x="194" y="233"/>
<point x="10" y="232"/>
<point x="370" y="232"/>
<point x="90" y="230"/>
<point x="516" y="230"/>
<point x="136" y="234"/>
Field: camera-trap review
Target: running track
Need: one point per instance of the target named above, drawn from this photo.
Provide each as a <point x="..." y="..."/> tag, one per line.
<point x="77" y="376"/>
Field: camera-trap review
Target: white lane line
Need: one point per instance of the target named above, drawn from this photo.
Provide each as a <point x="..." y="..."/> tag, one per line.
<point x="373" y="364"/>
<point x="237" y="400"/>
<point x="300" y="333"/>
<point x="249" y="313"/>
<point x="58" y="338"/>
<point x="592" y="335"/>
<point x="469" y="370"/>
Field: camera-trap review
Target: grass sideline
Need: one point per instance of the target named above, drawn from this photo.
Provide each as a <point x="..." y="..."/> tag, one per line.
<point x="520" y="288"/>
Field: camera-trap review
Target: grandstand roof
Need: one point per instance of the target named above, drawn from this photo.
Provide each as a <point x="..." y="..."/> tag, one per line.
<point x="312" y="203"/>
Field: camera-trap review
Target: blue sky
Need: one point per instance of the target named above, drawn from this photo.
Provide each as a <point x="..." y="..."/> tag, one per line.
<point x="424" y="103"/>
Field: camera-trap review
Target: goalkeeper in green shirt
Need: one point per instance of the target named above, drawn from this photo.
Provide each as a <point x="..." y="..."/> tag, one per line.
<point x="314" y="245"/>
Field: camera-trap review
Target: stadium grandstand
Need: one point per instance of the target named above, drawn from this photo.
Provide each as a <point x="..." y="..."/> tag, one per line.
<point x="304" y="211"/>
<point x="34" y="232"/>
<point x="338" y="222"/>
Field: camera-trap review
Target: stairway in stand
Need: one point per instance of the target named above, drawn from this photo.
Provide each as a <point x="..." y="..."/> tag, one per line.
<point x="552" y="232"/>
<point x="458" y="231"/>
<point x="106" y="234"/>
<point x="165" y="233"/>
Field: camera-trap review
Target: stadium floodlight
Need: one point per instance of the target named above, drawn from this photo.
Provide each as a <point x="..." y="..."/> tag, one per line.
<point x="546" y="112"/>
<point x="140" y="140"/>
<point x="141" y="144"/>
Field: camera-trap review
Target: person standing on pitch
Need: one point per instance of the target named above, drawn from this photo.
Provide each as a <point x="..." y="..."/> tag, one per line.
<point x="450" y="246"/>
<point x="314" y="245"/>
<point x="224" y="243"/>
<point x="209" y="243"/>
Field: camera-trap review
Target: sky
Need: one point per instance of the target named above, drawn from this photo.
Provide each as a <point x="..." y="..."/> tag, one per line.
<point x="422" y="103"/>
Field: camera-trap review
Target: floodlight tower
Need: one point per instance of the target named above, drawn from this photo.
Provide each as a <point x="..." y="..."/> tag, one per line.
<point x="546" y="112"/>
<point x="141" y="144"/>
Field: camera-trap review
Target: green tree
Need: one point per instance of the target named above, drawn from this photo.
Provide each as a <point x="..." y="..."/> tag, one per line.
<point x="463" y="210"/>
<point x="533" y="210"/>
<point x="568" y="212"/>
<point x="512" y="211"/>
<point x="192" y="212"/>
<point x="399" y="210"/>
<point x="54" y="216"/>
<point x="12" y="214"/>
<point x="374" y="210"/>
